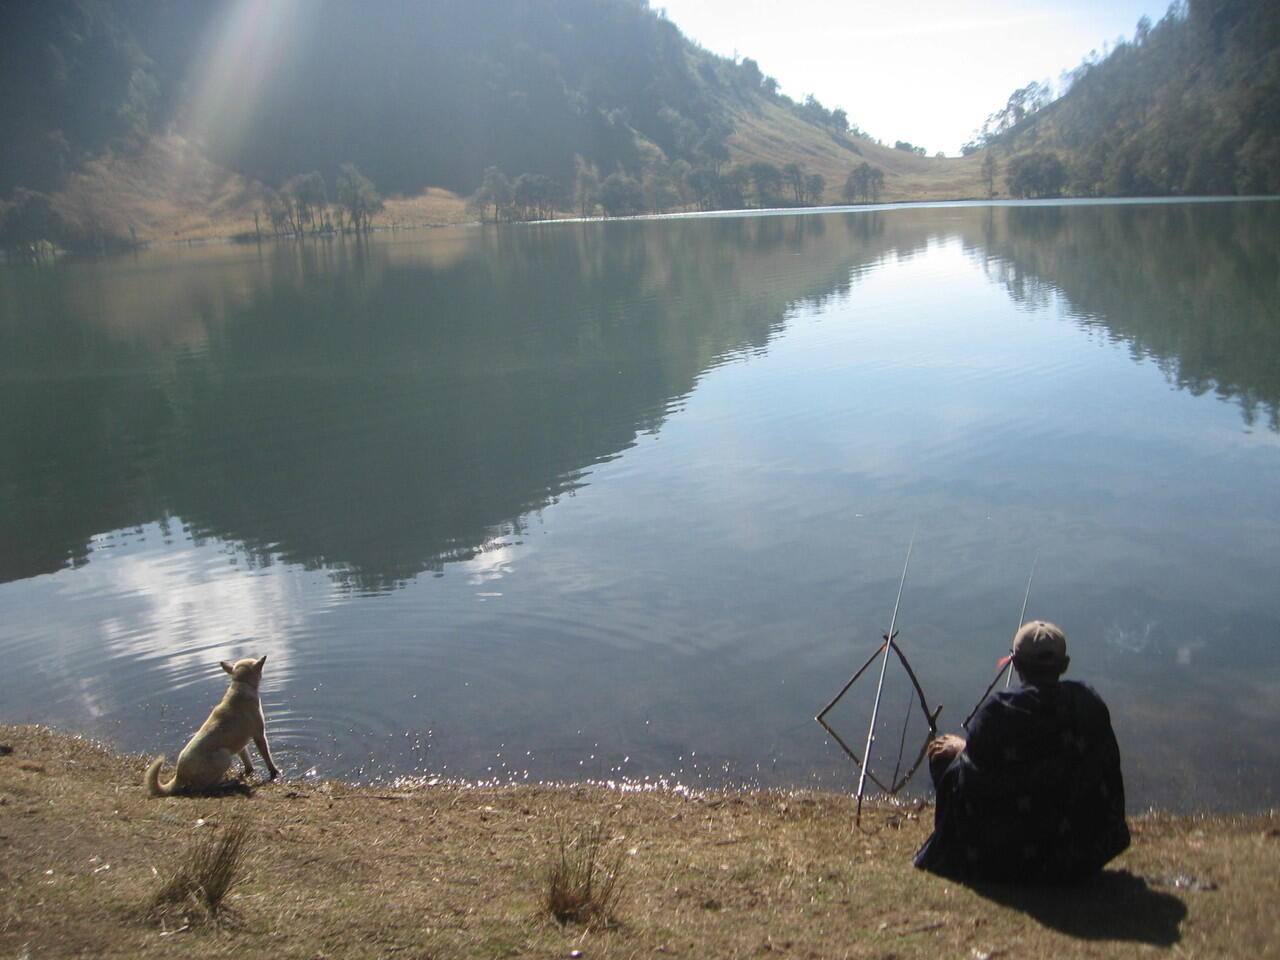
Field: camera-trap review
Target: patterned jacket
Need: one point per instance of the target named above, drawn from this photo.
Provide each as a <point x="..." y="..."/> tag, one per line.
<point x="1037" y="793"/>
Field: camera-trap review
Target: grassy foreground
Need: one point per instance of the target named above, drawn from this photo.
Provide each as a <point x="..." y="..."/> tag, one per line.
<point x="335" y="870"/>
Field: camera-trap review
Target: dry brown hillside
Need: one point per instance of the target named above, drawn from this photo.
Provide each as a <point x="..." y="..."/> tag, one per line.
<point x="167" y="191"/>
<point x="770" y="131"/>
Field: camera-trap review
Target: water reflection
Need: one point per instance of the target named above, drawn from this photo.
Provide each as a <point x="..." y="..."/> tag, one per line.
<point x="374" y="410"/>
<point x="381" y="410"/>
<point x="1192" y="286"/>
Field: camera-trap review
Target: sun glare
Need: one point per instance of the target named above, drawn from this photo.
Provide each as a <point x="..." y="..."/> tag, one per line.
<point x="245" y="52"/>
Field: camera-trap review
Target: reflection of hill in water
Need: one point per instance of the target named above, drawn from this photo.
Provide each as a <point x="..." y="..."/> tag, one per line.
<point x="1194" y="286"/>
<point x="376" y="410"/>
<point x="381" y="410"/>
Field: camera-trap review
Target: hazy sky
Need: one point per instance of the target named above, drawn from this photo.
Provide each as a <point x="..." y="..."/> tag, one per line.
<point x="926" y="71"/>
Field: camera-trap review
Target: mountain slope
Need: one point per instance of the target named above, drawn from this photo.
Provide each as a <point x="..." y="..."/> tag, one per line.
<point x="1190" y="106"/>
<point x="416" y="95"/>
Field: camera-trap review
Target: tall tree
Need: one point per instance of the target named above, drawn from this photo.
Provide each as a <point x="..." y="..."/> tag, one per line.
<point x="864" y="183"/>
<point x="494" y="193"/>
<point x="1039" y="174"/>
<point x="704" y="183"/>
<point x="305" y="198"/>
<point x="713" y="149"/>
<point x="793" y="173"/>
<point x="357" y="196"/>
<point x="621" y="196"/>
<point x="536" y="196"/>
<point x="990" y="168"/>
<point x="586" y="187"/>
<point x="815" y="184"/>
<point x="767" y="179"/>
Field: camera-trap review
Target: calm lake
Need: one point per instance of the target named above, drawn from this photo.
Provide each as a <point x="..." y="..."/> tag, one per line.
<point x="631" y="500"/>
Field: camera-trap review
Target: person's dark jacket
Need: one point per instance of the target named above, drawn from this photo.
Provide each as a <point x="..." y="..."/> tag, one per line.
<point x="1037" y="793"/>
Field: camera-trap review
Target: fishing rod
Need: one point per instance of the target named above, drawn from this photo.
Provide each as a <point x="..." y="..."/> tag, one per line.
<point x="1005" y="666"/>
<point x="930" y="716"/>
<point x="884" y="666"/>
<point x="1022" y="617"/>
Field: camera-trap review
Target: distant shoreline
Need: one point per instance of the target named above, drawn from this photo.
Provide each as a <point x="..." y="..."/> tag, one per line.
<point x="244" y="239"/>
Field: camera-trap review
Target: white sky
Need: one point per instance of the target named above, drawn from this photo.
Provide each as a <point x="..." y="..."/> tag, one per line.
<point x="925" y="71"/>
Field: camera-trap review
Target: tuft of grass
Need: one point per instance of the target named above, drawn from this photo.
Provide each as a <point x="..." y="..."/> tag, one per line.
<point x="206" y="871"/>
<point x="584" y="879"/>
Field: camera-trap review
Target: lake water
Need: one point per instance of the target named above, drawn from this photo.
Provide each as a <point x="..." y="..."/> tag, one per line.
<point x="631" y="500"/>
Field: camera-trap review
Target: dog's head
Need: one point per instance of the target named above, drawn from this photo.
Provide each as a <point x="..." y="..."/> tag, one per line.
<point x="247" y="670"/>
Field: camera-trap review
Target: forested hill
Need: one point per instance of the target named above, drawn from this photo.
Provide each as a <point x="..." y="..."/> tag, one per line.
<point x="413" y="93"/>
<point x="1190" y="106"/>
<point x="419" y="94"/>
<point x="433" y="93"/>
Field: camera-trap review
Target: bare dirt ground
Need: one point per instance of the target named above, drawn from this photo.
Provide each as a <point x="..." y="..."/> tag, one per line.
<point x="338" y="870"/>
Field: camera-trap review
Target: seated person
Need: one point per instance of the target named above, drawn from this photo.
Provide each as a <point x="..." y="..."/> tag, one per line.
<point x="1035" y="794"/>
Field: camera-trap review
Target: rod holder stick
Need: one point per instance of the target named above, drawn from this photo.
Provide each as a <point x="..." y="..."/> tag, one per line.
<point x="845" y="689"/>
<point x="854" y="756"/>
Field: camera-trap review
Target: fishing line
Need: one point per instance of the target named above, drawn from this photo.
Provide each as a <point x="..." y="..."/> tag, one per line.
<point x="1022" y="616"/>
<point x="1006" y="663"/>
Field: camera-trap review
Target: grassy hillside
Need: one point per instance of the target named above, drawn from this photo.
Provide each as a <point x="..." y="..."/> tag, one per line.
<point x="772" y="131"/>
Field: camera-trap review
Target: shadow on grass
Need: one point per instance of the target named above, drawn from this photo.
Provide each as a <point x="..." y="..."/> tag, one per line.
<point x="1115" y="905"/>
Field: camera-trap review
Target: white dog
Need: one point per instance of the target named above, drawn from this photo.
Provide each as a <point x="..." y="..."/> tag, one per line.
<point x="235" y="721"/>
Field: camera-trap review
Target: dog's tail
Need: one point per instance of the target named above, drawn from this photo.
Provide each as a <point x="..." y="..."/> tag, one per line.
<point x="152" y="781"/>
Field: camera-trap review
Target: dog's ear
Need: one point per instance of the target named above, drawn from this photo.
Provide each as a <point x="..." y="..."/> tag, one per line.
<point x="261" y="660"/>
<point x="228" y="666"/>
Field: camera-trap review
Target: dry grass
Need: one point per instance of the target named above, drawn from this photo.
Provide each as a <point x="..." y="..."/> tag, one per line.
<point x="166" y="191"/>
<point x="775" y="134"/>
<point x="584" y="878"/>
<point x="206" y="871"/>
<point x="446" y="871"/>
<point x="432" y="207"/>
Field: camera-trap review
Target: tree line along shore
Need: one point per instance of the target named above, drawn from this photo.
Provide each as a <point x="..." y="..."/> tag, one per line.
<point x="35" y="226"/>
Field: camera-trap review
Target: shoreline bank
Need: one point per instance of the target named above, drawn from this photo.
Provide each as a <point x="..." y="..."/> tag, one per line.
<point x="338" y="869"/>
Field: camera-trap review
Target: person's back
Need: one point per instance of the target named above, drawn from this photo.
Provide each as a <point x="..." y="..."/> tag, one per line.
<point x="1036" y="793"/>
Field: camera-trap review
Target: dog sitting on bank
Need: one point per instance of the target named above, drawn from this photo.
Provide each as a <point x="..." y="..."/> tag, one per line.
<point x="235" y="721"/>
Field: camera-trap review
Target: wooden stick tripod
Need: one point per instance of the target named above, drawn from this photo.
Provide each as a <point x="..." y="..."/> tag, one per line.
<point x="931" y="716"/>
